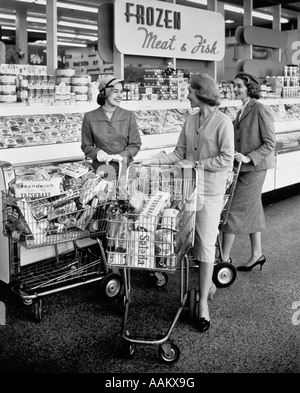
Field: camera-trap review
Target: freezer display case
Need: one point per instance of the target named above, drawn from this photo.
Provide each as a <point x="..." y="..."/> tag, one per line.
<point x="39" y="134"/>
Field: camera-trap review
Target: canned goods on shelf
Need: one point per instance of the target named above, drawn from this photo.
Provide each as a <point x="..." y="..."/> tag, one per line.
<point x="80" y="80"/>
<point x="79" y="89"/>
<point x="7" y="79"/>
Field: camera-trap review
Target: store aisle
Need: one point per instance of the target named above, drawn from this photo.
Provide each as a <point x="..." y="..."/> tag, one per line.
<point x="254" y="327"/>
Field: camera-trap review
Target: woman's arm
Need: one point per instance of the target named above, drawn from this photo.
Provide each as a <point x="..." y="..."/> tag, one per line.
<point x="134" y="139"/>
<point x="267" y="134"/>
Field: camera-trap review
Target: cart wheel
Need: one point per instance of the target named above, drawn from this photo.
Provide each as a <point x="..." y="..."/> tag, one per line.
<point x="128" y="349"/>
<point x="121" y="301"/>
<point x="192" y="303"/>
<point x="111" y="285"/>
<point x="171" y="356"/>
<point x="161" y="279"/>
<point x="224" y="274"/>
<point x="37" y="309"/>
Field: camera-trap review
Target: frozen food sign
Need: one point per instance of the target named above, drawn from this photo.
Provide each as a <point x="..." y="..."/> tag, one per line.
<point x="158" y="29"/>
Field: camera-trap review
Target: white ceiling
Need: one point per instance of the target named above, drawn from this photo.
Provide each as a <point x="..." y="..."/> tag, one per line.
<point x="289" y="9"/>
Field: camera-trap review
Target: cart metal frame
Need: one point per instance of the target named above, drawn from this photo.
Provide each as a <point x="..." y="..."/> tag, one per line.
<point x="161" y="179"/>
<point x="65" y="270"/>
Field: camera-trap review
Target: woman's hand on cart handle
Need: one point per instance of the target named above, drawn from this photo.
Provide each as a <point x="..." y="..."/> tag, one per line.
<point x="239" y="157"/>
<point x="114" y="157"/>
<point x="186" y="164"/>
<point x="147" y="161"/>
<point x="102" y="155"/>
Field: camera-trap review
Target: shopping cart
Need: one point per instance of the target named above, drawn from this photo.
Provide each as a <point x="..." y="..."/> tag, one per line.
<point x="156" y="239"/>
<point x="56" y="225"/>
<point x="224" y="273"/>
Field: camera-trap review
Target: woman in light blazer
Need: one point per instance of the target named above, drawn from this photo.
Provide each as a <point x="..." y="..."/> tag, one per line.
<point x="206" y="143"/>
<point x="254" y="139"/>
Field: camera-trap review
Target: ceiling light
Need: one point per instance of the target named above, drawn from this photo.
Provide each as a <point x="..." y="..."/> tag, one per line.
<point x="6" y="27"/>
<point x="36" y="31"/>
<point x="7" y="16"/>
<point x="77" y="7"/>
<point x="36" y="20"/>
<point x="41" y="2"/>
<point x="60" y="43"/>
<point x="204" y="2"/>
<point x="260" y="15"/>
<point x="240" y="10"/>
<point x="79" y="36"/>
<point x="43" y="21"/>
<point x="79" y="25"/>
<point x="63" y="5"/>
<point x="229" y="21"/>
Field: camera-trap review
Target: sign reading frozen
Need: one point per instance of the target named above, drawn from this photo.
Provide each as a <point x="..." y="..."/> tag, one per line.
<point x="159" y="29"/>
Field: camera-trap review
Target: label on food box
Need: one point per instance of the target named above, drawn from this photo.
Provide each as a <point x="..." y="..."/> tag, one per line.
<point x="141" y="249"/>
<point x="148" y="217"/>
<point x="38" y="188"/>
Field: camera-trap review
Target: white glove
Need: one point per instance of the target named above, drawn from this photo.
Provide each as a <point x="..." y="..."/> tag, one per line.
<point x="147" y="161"/>
<point x="114" y="157"/>
<point x="102" y="156"/>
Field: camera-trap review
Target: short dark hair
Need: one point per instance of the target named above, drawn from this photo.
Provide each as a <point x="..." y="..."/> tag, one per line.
<point x="206" y="89"/>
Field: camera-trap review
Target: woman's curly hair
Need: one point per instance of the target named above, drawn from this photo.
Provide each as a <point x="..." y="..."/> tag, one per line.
<point x="206" y="89"/>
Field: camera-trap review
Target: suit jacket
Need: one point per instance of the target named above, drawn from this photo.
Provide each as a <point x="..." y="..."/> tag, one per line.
<point x="118" y="135"/>
<point x="211" y="144"/>
<point x="254" y="136"/>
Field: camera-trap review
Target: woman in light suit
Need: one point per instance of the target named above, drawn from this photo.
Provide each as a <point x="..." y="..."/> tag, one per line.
<point x="254" y="139"/>
<point x="206" y="143"/>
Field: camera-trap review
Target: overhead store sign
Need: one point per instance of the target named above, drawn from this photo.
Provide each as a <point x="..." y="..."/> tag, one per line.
<point x="159" y="29"/>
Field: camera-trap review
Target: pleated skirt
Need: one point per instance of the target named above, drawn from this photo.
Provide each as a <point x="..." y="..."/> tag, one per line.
<point x="246" y="213"/>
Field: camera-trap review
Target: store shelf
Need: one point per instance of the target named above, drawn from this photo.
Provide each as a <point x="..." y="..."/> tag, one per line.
<point x="287" y="128"/>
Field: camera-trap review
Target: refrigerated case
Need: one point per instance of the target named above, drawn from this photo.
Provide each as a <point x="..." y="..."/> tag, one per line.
<point x="38" y="135"/>
<point x="159" y="122"/>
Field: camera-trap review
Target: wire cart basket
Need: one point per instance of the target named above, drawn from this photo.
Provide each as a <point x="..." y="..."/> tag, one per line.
<point x="53" y="221"/>
<point x="157" y="239"/>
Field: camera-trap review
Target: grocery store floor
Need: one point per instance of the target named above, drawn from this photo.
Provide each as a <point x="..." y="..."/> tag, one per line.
<point x="255" y="321"/>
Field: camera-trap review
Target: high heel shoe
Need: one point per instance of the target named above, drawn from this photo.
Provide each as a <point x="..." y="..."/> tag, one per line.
<point x="212" y="291"/>
<point x="260" y="262"/>
<point x="203" y="324"/>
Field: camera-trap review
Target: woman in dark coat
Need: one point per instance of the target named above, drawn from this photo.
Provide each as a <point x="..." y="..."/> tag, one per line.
<point x="254" y="139"/>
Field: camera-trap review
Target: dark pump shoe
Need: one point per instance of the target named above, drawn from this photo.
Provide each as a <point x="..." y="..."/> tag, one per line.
<point x="202" y="324"/>
<point x="260" y="262"/>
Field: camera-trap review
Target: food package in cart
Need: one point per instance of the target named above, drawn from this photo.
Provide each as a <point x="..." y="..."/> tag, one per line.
<point x="27" y="187"/>
<point x="98" y="187"/>
<point x="86" y="216"/>
<point x="164" y="248"/>
<point x="141" y="250"/>
<point x="149" y="216"/>
<point x="14" y="220"/>
<point x="38" y="233"/>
